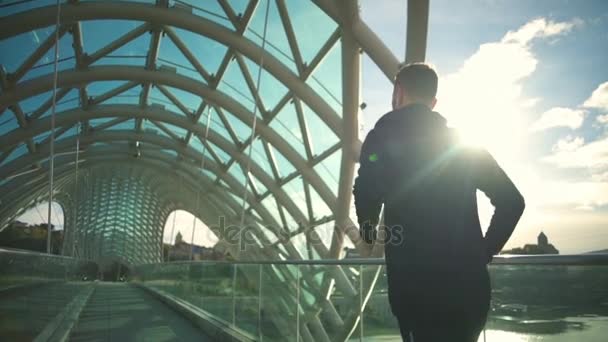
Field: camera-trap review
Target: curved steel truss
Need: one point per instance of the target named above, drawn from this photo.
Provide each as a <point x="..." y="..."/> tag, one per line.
<point x="136" y="86"/>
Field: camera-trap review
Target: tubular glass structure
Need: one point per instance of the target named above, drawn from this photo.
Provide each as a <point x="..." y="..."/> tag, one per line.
<point x="137" y="82"/>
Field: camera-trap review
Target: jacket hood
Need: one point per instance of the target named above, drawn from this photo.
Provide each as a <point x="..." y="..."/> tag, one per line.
<point x="412" y="119"/>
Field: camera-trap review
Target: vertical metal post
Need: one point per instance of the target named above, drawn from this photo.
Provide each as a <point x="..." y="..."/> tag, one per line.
<point x="298" y="305"/>
<point x="360" y="302"/>
<point x="351" y="69"/>
<point x="75" y="207"/>
<point x="52" y="138"/>
<point x="194" y="225"/>
<point x="260" y="335"/>
<point x="417" y="29"/>
<point x="234" y="295"/>
<point x="253" y="129"/>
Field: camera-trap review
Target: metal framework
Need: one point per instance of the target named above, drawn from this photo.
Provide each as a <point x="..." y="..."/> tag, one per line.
<point x="139" y="115"/>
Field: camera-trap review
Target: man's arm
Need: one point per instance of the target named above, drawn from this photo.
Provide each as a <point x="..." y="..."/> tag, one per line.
<point x="367" y="192"/>
<point x="507" y="200"/>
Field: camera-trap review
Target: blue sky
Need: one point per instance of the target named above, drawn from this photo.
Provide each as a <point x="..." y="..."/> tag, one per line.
<point x="525" y="79"/>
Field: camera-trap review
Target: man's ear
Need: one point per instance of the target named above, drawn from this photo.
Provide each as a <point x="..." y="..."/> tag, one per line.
<point x="398" y="94"/>
<point x="433" y="103"/>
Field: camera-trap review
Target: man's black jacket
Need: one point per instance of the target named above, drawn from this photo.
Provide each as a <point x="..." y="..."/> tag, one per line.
<point x="413" y="164"/>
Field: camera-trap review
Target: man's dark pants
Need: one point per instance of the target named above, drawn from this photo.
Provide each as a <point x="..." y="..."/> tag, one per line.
<point x="436" y="306"/>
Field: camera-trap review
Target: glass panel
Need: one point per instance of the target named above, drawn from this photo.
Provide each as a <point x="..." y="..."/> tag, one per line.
<point x="207" y="286"/>
<point x="132" y="53"/>
<point x="39" y="138"/>
<point x="18" y="152"/>
<point x="278" y="313"/>
<point x="247" y="300"/>
<point x="238" y="6"/>
<point x="27" y="42"/>
<point x="242" y="131"/>
<point x="236" y="171"/>
<point x="260" y="187"/>
<point x="224" y="157"/>
<point x="70" y="101"/>
<point x="209" y="10"/>
<point x="319" y="207"/>
<point x="181" y="133"/>
<point x="233" y="84"/>
<point x="299" y="242"/>
<point x="216" y="124"/>
<point x="31" y="104"/>
<point x="171" y="56"/>
<point x="378" y="320"/>
<point x="271" y="205"/>
<point x="26" y="309"/>
<point x="548" y="303"/>
<point x="189" y="100"/>
<point x="322" y="137"/>
<point x="22" y="6"/>
<point x="99" y="33"/>
<point x="259" y="156"/>
<point x="125" y="125"/>
<point x="310" y="37"/>
<point x="276" y="39"/>
<point x="271" y="90"/>
<point x="287" y="126"/>
<point x="200" y="46"/>
<point x="9" y="122"/>
<point x="157" y="97"/>
<point x="295" y="191"/>
<point x="325" y="232"/>
<point x="285" y="167"/>
<point x="325" y="170"/>
<point x="326" y="80"/>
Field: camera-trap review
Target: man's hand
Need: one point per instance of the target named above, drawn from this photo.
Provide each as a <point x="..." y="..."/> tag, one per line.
<point x="368" y="232"/>
<point x="367" y="249"/>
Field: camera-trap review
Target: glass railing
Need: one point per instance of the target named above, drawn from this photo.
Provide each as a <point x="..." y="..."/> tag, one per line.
<point x="20" y="267"/>
<point x="35" y="289"/>
<point x="535" y="298"/>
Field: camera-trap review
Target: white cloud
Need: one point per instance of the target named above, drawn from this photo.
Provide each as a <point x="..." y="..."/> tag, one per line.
<point x="593" y="155"/>
<point x="585" y="195"/>
<point x="603" y="119"/>
<point x="599" y="97"/>
<point x="540" y="28"/>
<point x="484" y="98"/>
<point x="559" y="117"/>
<point x="569" y="144"/>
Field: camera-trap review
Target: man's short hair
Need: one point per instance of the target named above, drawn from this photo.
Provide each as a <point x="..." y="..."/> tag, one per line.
<point x="419" y="81"/>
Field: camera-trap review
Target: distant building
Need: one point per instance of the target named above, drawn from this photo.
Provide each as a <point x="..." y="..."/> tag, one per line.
<point x="180" y="250"/>
<point x="541" y="247"/>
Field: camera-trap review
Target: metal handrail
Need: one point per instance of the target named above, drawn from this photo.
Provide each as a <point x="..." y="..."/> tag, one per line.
<point x="590" y="259"/>
<point x="9" y="250"/>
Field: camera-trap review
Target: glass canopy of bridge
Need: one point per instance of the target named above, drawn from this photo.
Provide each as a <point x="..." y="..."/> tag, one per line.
<point x="244" y="113"/>
<point x="155" y="105"/>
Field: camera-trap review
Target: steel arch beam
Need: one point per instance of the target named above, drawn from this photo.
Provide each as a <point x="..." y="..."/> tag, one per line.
<point x="71" y="13"/>
<point x="64" y="146"/>
<point x="161" y="163"/>
<point x="73" y="116"/>
<point x="153" y="139"/>
<point x="229" y="179"/>
<point x="70" y="78"/>
<point x="365" y="37"/>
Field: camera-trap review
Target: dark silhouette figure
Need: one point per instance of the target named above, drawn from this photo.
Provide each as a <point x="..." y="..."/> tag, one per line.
<point x="436" y="254"/>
